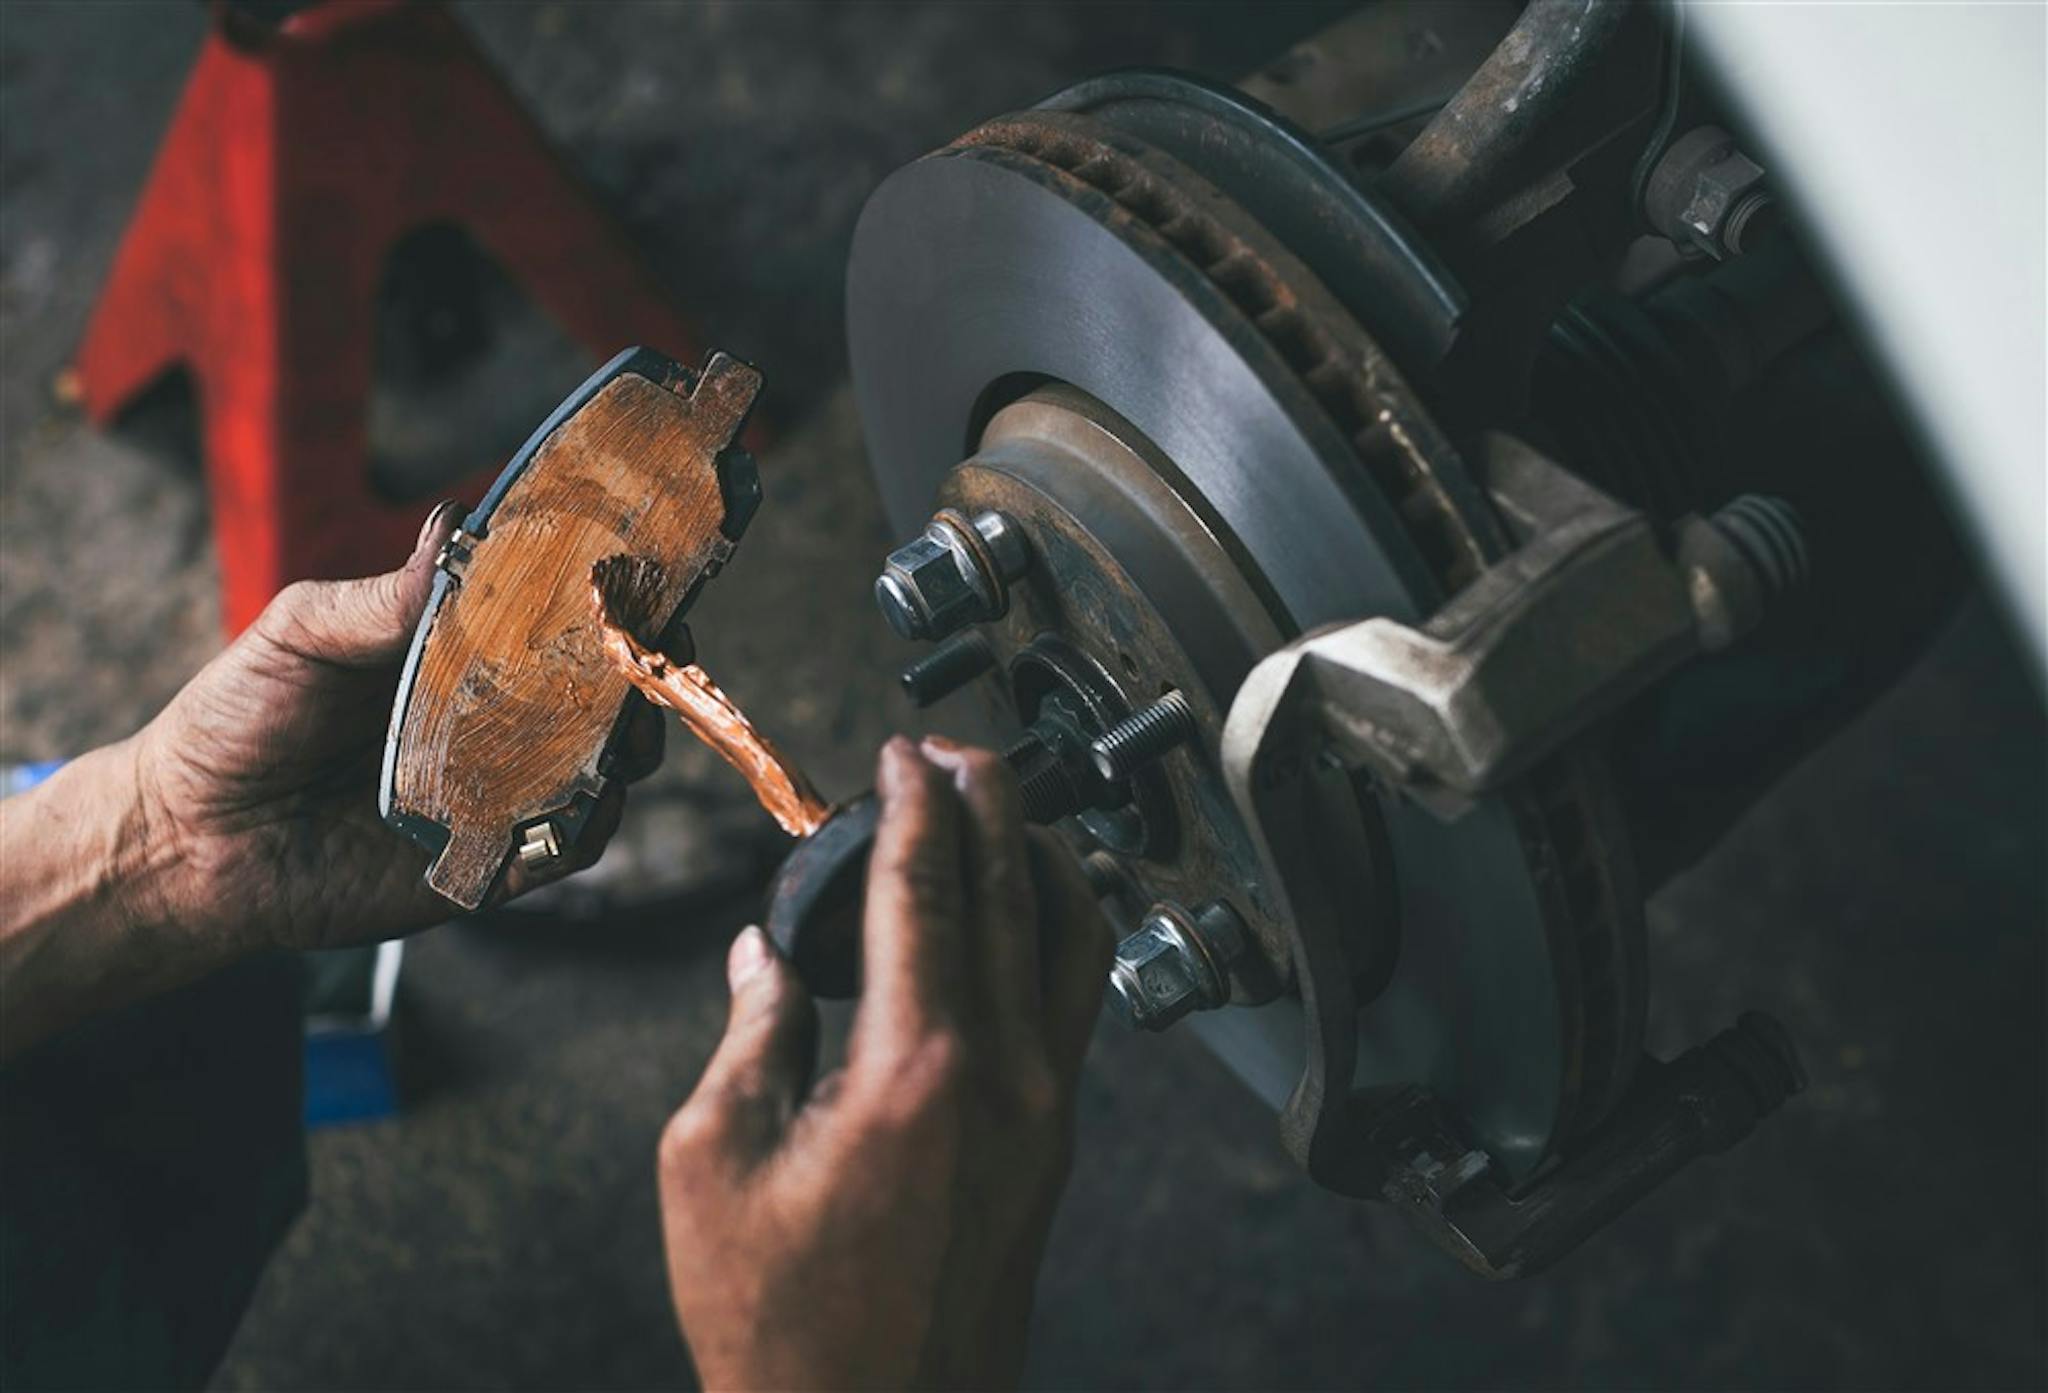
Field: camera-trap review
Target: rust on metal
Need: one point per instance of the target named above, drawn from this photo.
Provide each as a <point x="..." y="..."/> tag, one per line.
<point x="626" y="591"/>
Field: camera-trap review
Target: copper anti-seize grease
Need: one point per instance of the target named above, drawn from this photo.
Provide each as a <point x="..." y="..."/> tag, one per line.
<point x="624" y="589"/>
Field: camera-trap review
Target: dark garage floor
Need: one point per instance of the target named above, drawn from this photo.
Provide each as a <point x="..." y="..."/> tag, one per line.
<point x="1887" y="902"/>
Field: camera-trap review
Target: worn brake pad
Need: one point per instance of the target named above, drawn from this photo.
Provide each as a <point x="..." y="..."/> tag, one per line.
<point x="507" y="708"/>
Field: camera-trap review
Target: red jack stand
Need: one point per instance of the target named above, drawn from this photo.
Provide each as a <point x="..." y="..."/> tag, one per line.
<point x="298" y="157"/>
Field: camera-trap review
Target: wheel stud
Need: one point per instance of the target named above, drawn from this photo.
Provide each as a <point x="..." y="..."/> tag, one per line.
<point x="947" y="668"/>
<point x="1142" y="737"/>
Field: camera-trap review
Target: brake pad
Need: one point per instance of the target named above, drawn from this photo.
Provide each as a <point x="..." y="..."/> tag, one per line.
<point x="502" y="733"/>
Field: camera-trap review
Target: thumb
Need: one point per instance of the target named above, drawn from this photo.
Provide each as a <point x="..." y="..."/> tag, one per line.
<point x="761" y="1071"/>
<point x="360" y="623"/>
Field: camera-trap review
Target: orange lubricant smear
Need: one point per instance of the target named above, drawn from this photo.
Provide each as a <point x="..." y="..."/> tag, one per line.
<point x="706" y="712"/>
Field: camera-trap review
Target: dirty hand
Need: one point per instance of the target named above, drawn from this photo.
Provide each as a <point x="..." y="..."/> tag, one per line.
<point x="243" y="817"/>
<point x="883" y="1226"/>
<point x="262" y="773"/>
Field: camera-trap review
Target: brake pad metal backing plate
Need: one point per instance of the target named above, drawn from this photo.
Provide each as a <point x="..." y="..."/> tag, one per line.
<point x="509" y="704"/>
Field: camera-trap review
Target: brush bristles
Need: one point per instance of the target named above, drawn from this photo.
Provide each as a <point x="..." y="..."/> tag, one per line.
<point x="630" y="591"/>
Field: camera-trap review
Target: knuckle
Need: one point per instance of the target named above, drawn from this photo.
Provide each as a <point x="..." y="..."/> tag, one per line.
<point x="926" y="1075"/>
<point x="936" y="1066"/>
<point x="905" y="781"/>
<point x="301" y="597"/>
<point x="691" y="1134"/>
<point x="293" y="608"/>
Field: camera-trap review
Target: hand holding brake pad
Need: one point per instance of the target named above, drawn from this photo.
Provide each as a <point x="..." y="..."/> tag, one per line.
<point x="507" y="706"/>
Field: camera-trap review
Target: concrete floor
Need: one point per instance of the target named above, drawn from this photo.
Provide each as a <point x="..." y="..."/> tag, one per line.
<point x="1887" y="901"/>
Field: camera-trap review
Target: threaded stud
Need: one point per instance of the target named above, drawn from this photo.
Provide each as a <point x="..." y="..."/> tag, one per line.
<point x="1142" y="737"/>
<point x="1045" y="785"/>
<point x="1047" y="794"/>
<point x="947" y="668"/>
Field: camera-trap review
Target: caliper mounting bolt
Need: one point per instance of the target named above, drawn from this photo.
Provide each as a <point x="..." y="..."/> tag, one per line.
<point x="947" y="668"/>
<point x="1178" y="961"/>
<point x="955" y="573"/>
<point x="1142" y="737"/>
<point x="1707" y="197"/>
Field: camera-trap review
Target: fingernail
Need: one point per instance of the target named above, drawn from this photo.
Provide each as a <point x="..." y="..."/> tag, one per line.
<point x="750" y="953"/>
<point x="898" y="757"/>
<point x="434" y="521"/>
<point x="947" y="757"/>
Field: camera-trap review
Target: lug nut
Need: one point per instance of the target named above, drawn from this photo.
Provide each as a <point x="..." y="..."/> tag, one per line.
<point x="1142" y="737"/>
<point x="954" y="573"/>
<point x="1175" y="963"/>
<point x="947" y="668"/>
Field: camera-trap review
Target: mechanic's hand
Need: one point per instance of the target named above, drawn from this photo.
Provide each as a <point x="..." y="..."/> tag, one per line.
<point x="261" y="774"/>
<point x="883" y="1227"/>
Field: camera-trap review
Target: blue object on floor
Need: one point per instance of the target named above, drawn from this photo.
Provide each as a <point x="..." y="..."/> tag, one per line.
<point x="348" y="1078"/>
<point x="348" y="1074"/>
<point x="20" y="778"/>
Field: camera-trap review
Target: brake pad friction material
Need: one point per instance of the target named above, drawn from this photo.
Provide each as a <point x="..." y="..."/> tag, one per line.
<point x="508" y="704"/>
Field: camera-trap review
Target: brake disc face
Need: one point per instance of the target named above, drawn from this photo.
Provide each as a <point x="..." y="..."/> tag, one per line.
<point x="1209" y="456"/>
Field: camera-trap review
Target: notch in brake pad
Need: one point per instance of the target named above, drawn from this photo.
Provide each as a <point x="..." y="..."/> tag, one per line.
<point x="507" y="708"/>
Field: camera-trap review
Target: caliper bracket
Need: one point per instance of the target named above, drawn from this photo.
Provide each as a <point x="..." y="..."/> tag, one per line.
<point x="1587" y="612"/>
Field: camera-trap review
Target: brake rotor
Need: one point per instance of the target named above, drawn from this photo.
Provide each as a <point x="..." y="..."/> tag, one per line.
<point x="1053" y="262"/>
